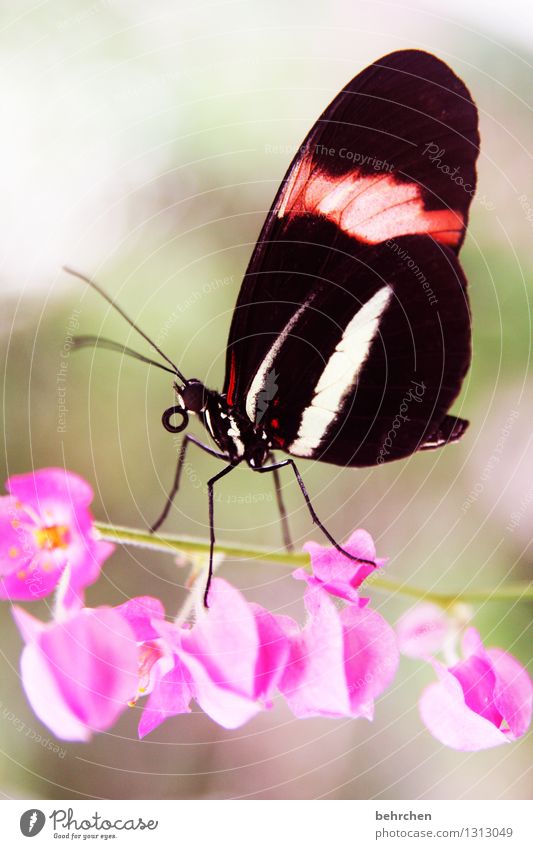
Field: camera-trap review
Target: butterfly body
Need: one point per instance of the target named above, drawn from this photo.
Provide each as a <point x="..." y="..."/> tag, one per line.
<point x="230" y="428"/>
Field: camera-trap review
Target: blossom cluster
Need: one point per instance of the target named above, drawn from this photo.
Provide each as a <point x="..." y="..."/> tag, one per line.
<point x="83" y="668"/>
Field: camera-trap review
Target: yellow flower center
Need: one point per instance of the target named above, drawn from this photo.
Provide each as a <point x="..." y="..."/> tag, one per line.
<point x="54" y="536"/>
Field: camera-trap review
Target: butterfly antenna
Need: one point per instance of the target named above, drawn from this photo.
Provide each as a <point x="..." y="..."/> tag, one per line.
<point x="110" y="345"/>
<point x="125" y="316"/>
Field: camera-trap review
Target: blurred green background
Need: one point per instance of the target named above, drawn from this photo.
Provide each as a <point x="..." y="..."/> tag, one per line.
<point x="143" y="144"/>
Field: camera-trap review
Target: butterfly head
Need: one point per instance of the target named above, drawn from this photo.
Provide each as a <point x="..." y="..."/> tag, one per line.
<point x="192" y="398"/>
<point x="193" y="395"/>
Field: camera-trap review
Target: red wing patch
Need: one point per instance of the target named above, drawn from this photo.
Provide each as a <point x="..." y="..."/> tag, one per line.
<point x="371" y="208"/>
<point x="231" y="382"/>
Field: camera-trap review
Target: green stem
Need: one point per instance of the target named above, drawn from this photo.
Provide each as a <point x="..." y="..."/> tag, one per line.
<point x="191" y="545"/>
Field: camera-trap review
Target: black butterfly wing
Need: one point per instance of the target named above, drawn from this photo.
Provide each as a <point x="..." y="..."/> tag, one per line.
<point x="366" y="178"/>
<point x="363" y="370"/>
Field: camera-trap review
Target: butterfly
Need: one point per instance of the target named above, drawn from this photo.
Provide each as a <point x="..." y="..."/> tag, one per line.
<point x="351" y="335"/>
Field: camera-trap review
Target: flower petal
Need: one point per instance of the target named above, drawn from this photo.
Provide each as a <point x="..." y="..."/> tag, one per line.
<point x="228" y="707"/>
<point x="513" y="691"/>
<point x="339" y="575"/>
<point x="472" y="644"/>
<point x="314" y="681"/>
<point x="446" y="715"/>
<point x="477" y="679"/>
<point x="38" y="580"/>
<point x="46" y="699"/>
<point x="371" y="657"/>
<point x="340" y="588"/>
<point x="340" y="662"/>
<point x="29" y="627"/>
<point x="138" y="612"/>
<point x="85" y="553"/>
<point x="46" y="489"/>
<point x="273" y="652"/>
<point x="17" y="543"/>
<point x="222" y="653"/>
<point x="224" y="639"/>
<point x="422" y="630"/>
<point x="171" y="695"/>
<point x="92" y="659"/>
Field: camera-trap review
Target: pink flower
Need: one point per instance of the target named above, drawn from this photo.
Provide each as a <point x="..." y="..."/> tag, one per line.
<point x="161" y="675"/>
<point x="340" y="662"/>
<point x="234" y="656"/>
<point x="45" y="524"/>
<point x="335" y="572"/>
<point x="423" y="630"/>
<point x="482" y="701"/>
<point x="230" y="661"/>
<point x="78" y="674"/>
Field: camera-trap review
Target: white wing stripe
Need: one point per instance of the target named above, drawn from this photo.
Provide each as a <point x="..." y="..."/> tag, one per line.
<point x="259" y="380"/>
<point x="341" y="373"/>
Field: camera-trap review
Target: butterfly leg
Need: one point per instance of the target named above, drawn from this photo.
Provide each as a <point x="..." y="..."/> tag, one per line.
<point x="274" y="467"/>
<point x="175" y="486"/>
<point x="287" y="541"/>
<point x="210" y="490"/>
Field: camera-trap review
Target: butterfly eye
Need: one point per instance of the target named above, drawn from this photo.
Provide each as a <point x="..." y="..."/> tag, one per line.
<point x="169" y="414"/>
<point x="194" y="396"/>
